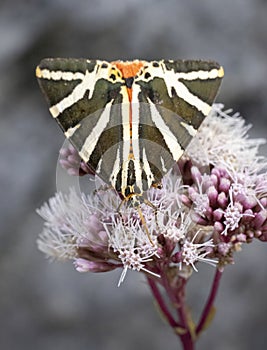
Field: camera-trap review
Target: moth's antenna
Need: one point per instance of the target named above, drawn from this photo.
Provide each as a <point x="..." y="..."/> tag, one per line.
<point x="135" y="202"/>
<point x="144" y="223"/>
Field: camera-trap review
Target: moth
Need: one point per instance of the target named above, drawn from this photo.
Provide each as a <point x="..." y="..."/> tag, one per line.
<point x="130" y="121"/>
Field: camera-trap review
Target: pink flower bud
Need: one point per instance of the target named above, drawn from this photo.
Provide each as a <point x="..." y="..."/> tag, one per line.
<point x="214" y="179"/>
<point x="192" y="193"/>
<point x="222" y="200"/>
<point x="260" y="218"/>
<point x="198" y="219"/>
<point x="248" y="216"/>
<point x="224" y="185"/>
<point x="263" y="202"/>
<point x="218" y="227"/>
<point x="74" y="159"/>
<point x="196" y="175"/>
<point x="213" y="195"/>
<point x="224" y="248"/>
<point x="248" y="202"/>
<point x="216" y="172"/>
<point x="217" y="214"/>
<point x="83" y="265"/>
<point x="64" y="163"/>
<point x="206" y="184"/>
<point x="185" y="200"/>
<point x="241" y="238"/>
<point x="64" y="152"/>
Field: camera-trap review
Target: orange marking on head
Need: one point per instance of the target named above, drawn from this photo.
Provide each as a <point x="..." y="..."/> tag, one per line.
<point x="129" y="68"/>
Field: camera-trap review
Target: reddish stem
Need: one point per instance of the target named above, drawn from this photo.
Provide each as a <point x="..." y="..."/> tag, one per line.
<point x="210" y="301"/>
<point x="177" y="298"/>
<point x="158" y="297"/>
<point x="181" y="308"/>
<point x="185" y="336"/>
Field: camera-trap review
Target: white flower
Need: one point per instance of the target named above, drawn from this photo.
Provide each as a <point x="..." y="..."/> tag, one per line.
<point x="233" y="213"/>
<point x="177" y="232"/>
<point x="57" y="245"/>
<point x="194" y="252"/>
<point x="199" y="198"/>
<point x="223" y="140"/>
<point x="57" y="239"/>
<point x="132" y="244"/>
<point x="68" y="222"/>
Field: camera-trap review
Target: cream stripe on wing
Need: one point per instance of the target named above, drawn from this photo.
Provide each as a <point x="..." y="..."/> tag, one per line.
<point x="135" y="106"/>
<point x="201" y="74"/>
<point x="135" y="109"/>
<point x="126" y="136"/>
<point x="171" y="141"/>
<point x="71" y="131"/>
<point x="88" y="83"/>
<point x="147" y="169"/>
<point x="91" y="141"/>
<point x="58" y="74"/>
<point x="191" y="130"/>
<point x="116" y="169"/>
<point x="125" y="114"/>
<point x="171" y="80"/>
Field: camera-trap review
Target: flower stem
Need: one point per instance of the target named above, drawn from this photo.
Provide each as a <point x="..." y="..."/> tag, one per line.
<point x="187" y="337"/>
<point x="161" y="303"/>
<point x="184" y="327"/>
<point x="181" y="327"/>
<point x="207" y="311"/>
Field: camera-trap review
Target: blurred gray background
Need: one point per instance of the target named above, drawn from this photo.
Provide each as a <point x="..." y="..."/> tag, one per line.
<point x="51" y="306"/>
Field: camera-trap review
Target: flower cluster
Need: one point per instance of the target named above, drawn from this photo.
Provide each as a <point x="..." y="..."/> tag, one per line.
<point x="71" y="162"/>
<point x="204" y="212"/>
